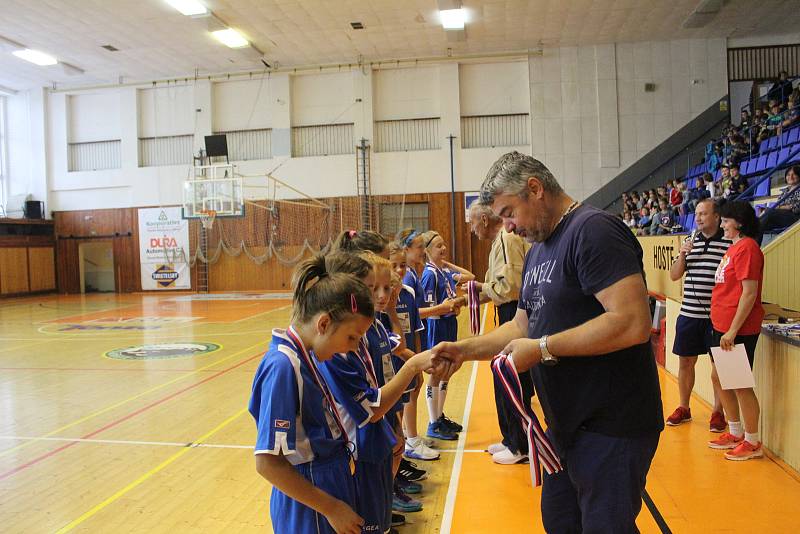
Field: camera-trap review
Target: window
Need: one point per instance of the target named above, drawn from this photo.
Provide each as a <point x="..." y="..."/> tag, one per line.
<point x="414" y="215"/>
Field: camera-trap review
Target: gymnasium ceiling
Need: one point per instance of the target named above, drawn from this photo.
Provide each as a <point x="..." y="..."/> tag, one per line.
<point x="157" y="42"/>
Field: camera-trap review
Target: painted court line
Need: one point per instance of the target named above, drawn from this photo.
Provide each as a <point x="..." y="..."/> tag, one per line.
<point x="121" y="420"/>
<point x="134" y="397"/>
<point x="86" y="515"/>
<point x="177" y="443"/>
<point x="455" y="472"/>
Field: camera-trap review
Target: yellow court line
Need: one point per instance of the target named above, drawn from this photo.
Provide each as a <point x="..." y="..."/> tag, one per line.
<point x="147" y="475"/>
<point x="129" y="399"/>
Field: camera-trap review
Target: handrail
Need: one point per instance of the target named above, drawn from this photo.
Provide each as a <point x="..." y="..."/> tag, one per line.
<point x="747" y="194"/>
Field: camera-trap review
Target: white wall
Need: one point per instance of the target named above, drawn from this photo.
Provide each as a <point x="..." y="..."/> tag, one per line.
<point x="590" y="119"/>
<point x="27" y="156"/>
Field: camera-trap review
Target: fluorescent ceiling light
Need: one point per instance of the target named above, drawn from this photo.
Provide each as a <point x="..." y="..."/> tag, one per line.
<point x="453" y="19"/>
<point x="188" y="7"/>
<point x="34" y="56"/>
<point x="230" y="38"/>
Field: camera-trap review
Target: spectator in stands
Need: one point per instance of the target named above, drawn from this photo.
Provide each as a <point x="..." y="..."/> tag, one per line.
<point x="637" y="200"/>
<point x="697" y="259"/>
<point x="676" y="194"/>
<point x="643" y="225"/>
<point x="739" y="150"/>
<point x="781" y="89"/>
<point x="791" y="115"/>
<point x="652" y="200"/>
<point x="716" y="158"/>
<point x="738" y="182"/>
<point x="773" y="124"/>
<point x="698" y="193"/>
<point x="736" y="315"/>
<point x="711" y="187"/>
<point x="724" y="182"/>
<point x="745" y="120"/>
<point x="664" y="220"/>
<point x="786" y="210"/>
<point x="628" y="219"/>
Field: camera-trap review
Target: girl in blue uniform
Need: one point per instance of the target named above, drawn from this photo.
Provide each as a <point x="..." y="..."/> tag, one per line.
<point x="439" y="285"/>
<point x="302" y="445"/>
<point x="409" y="314"/>
<point x="367" y="388"/>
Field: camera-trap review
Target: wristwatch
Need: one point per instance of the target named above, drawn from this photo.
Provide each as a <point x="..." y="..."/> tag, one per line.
<point x="547" y="358"/>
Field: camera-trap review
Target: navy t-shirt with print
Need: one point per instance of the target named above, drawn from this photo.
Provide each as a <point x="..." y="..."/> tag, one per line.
<point x="615" y="394"/>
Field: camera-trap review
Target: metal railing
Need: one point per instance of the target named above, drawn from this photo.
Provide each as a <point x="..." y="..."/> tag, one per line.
<point x="407" y="134"/>
<point x="484" y="131"/>
<point x="94" y="155"/>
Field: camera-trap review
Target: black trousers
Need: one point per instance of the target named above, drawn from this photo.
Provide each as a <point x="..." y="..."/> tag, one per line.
<point x="513" y="436"/>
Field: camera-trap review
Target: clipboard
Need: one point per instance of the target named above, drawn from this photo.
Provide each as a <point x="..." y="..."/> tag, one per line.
<point x="733" y="368"/>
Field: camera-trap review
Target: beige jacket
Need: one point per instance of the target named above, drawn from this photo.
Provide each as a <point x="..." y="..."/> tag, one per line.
<point x="504" y="276"/>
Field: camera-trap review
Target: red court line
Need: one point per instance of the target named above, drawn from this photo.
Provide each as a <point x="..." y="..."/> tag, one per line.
<point x="125" y="418"/>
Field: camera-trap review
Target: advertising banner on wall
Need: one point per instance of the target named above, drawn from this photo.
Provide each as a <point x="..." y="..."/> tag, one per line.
<point x="163" y="235"/>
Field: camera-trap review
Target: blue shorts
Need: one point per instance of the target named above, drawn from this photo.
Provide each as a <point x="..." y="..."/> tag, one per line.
<point x="374" y="490"/>
<point x="331" y="476"/>
<point x="442" y="329"/>
<point x="692" y="336"/>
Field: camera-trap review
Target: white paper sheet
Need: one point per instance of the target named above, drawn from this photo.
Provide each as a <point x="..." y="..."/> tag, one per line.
<point x="733" y="368"/>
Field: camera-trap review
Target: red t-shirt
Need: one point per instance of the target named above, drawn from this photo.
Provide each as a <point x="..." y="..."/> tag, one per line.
<point x="675" y="197"/>
<point x="743" y="261"/>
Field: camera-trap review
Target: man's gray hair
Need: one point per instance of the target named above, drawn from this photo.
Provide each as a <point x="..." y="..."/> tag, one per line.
<point x="509" y="175"/>
<point x="478" y="208"/>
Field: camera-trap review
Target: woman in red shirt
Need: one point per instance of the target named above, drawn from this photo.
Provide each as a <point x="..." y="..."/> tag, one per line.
<point x="736" y="315"/>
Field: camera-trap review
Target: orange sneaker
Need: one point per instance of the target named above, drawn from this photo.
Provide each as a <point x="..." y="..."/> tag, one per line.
<point x="725" y="441"/>
<point x="680" y="415"/>
<point x="717" y="422"/>
<point x="745" y="451"/>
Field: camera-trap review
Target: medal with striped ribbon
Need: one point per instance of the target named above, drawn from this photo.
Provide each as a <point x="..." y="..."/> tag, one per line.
<point x="474" y="301"/>
<point x="541" y="451"/>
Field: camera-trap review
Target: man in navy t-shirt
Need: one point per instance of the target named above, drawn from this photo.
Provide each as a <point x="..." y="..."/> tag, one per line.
<point x="583" y="328"/>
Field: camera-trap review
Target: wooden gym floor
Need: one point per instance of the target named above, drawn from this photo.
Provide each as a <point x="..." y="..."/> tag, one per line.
<point x="95" y="444"/>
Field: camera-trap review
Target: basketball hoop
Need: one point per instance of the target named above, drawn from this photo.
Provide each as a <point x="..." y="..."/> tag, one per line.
<point x="207" y="218"/>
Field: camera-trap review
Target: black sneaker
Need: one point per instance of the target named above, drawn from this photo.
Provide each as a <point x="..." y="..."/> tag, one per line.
<point x="450" y="424"/>
<point x="398" y="520"/>
<point x="410" y="471"/>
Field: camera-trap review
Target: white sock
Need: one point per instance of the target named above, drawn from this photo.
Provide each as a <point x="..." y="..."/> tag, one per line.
<point x="442" y="397"/>
<point x="735" y="428"/>
<point x="432" y="399"/>
<point x="753" y="439"/>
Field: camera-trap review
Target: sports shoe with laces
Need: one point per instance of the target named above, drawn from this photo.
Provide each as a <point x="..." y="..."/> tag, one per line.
<point x="725" y="441"/>
<point x="745" y="451"/>
<point x="417" y="450"/>
<point x="495" y="448"/>
<point x="439" y="431"/>
<point x="403" y="503"/>
<point x="507" y="457"/>
<point x="410" y="471"/>
<point x="679" y="416"/>
<point x="717" y="422"/>
<point x="398" y="520"/>
<point x="450" y="424"/>
<point x="407" y="486"/>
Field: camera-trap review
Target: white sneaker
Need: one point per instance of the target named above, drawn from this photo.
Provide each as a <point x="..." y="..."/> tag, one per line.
<point x="495" y="448"/>
<point x="506" y="457"/>
<point x="417" y="450"/>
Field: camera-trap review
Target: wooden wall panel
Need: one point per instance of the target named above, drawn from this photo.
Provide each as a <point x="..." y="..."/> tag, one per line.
<point x="14" y="270"/>
<point x="780" y="259"/>
<point x="240" y="273"/>
<point x="41" y="264"/>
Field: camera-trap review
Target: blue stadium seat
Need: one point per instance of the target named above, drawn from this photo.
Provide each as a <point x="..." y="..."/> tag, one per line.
<point x="784" y="139"/>
<point x="751" y="181"/>
<point x="761" y="164"/>
<point x="689" y="222"/>
<point x="763" y="148"/>
<point x="691" y="183"/>
<point x="745" y="166"/>
<point x="796" y="157"/>
<point x="762" y="190"/>
<point x="772" y="160"/>
<point x="783" y="154"/>
<point x="717" y="175"/>
<point x="773" y="142"/>
<point x="792" y="138"/>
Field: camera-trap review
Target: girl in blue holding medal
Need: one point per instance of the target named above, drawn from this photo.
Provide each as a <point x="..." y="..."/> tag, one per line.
<point x="302" y="447"/>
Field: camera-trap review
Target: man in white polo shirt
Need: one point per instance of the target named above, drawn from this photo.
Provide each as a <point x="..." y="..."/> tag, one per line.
<point x="698" y="260"/>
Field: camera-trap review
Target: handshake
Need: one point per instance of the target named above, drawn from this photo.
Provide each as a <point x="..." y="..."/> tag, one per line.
<point x="442" y="361"/>
<point x="456" y="304"/>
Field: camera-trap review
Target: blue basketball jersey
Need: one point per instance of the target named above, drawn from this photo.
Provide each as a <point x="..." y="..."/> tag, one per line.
<point x="293" y="416"/>
<point x="408" y="312"/>
<point x="437" y="285"/>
